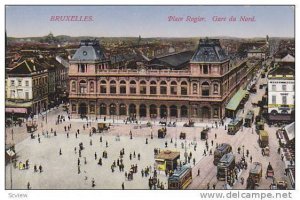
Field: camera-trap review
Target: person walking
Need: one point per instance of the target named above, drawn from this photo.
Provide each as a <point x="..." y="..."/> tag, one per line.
<point x="28" y="186"/>
<point x="198" y="173"/>
<point x="60" y="152"/>
<point x="95" y="155"/>
<point x="41" y="168"/>
<point x="123" y="187"/>
<point x="93" y="182"/>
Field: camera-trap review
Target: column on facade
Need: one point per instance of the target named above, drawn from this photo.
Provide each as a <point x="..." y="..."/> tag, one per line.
<point x="158" y="87"/>
<point x="168" y="87"/>
<point x="107" y="86"/>
<point x="168" y="111"/>
<point x="118" y="86"/>
<point x="157" y="111"/>
<point x="148" y="110"/>
<point x="179" y="111"/>
<point x="127" y="87"/>
<point x="137" y="87"/>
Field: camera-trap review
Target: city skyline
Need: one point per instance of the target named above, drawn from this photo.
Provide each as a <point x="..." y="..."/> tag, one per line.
<point x="150" y="21"/>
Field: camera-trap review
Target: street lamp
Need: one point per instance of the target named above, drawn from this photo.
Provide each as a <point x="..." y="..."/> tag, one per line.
<point x="185" y="152"/>
<point x="243" y="152"/>
<point x="12" y="129"/>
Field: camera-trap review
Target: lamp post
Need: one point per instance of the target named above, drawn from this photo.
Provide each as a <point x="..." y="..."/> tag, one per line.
<point x="243" y="152"/>
<point x="118" y="113"/>
<point x="12" y="129"/>
<point x="185" y="152"/>
<point x="11" y="153"/>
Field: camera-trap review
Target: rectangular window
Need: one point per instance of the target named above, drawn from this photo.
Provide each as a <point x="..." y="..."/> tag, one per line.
<point x="92" y="109"/>
<point x="174" y="90"/>
<point x="122" y="89"/>
<point x="143" y="90"/>
<point x="19" y="82"/>
<point x="273" y="87"/>
<point x="73" y="108"/>
<point x="27" y="83"/>
<point x="283" y="87"/>
<point x="284" y="100"/>
<point x="132" y="90"/>
<point x="183" y="91"/>
<point x="12" y="83"/>
<point x="205" y="69"/>
<point x="26" y="95"/>
<point x="163" y="90"/>
<point x="273" y="99"/>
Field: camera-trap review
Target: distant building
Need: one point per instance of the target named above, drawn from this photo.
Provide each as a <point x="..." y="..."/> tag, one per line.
<point x="281" y="93"/>
<point x="27" y="88"/>
<point x="199" y="90"/>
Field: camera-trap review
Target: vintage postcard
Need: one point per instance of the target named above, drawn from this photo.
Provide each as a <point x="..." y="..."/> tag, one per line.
<point x="142" y="97"/>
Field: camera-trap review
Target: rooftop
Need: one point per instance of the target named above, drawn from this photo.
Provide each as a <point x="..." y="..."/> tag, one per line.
<point x="89" y="50"/>
<point x="209" y="50"/>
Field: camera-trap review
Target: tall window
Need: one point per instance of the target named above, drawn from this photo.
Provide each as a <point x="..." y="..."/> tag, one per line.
<point x="163" y="87"/>
<point x="27" y="83"/>
<point x="143" y="87"/>
<point x="273" y="87"/>
<point x="183" y="88"/>
<point x="216" y="88"/>
<point x="205" y="89"/>
<point x="19" y="82"/>
<point x="205" y="69"/>
<point x="92" y="108"/>
<point x="173" y="88"/>
<point x="132" y="87"/>
<point x="273" y="99"/>
<point x="195" y="88"/>
<point x="283" y="87"/>
<point x="73" y="86"/>
<point x="122" y="87"/>
<point x="82" y="68"/>
<point x="91" y="86"/>
<point x="82" y="85"/>
<point x="284" y="101"/>
<point x="103" y="87"/>
<point x="73" y="107"/>
<point x="152" y="87"/>
<point x="12" y="83"/>
<point x="113" y="87"/>
<point x="26" y="95"/>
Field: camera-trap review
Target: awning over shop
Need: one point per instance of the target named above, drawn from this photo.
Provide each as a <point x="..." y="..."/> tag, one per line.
<point x="16" y="110"/>
<point x="290" y="131"/>
<point x="236" y="100"/>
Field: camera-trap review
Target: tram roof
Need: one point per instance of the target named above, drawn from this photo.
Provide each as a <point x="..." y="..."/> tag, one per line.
<point x="168" y="155"/>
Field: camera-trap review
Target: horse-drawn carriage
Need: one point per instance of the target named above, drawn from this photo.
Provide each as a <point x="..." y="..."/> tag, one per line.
<point x="189" y="124"/>
<point x="31" y="126"/>
<point x="270" y="171"/>
<point x="161" y="133"/>
<point x="103" y="127"/>
<point x="182" y="135"/>
<point x="204" y="134"/>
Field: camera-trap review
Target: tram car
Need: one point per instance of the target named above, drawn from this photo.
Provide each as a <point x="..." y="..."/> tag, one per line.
<point x="225" y="167"/>
<point x="31" y="126"/>
<point x="255" y="174"/>
<point x="234" y="126"/>
<point x="181" y="178"/>
<point x="249" y="118"/>
<point x="220" y="151"/>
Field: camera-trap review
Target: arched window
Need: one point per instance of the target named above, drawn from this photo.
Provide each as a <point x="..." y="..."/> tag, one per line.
<point x="163" y="87"/>
<point x="184" y="111"/>
<point x="122" y="87"/>
<point x="195" y="88"/>
<point x="163" y="111"/>
<point x="132" y="87"/>
<point x="73" y="86"/>
<point x="92" y="86"/>
<point x="82" y="86"/>
<point x="153" y="87"/>
<point x="143" y="87"/>
<point x="216" y="88"/>
<point x="103" y="87"/>
<point x="122" y="109"/>
<point x="113" y="88"/>
<point x="112" y="109"/>
<point x="132" y="110"/>
<point x="183" y="88"/>
<point x="205" y="89"/>
<point x="153" y="111"/>
<point x="103" y="109"/>
<point x="173" y="111"/>
<point x="173" y="88"/>
<point x="143" y="110"/>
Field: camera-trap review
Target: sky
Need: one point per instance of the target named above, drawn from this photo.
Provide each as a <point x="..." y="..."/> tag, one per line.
<point x="150" y="21"/>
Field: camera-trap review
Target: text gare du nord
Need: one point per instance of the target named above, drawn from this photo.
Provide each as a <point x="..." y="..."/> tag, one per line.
<point x="214" y="19"/>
